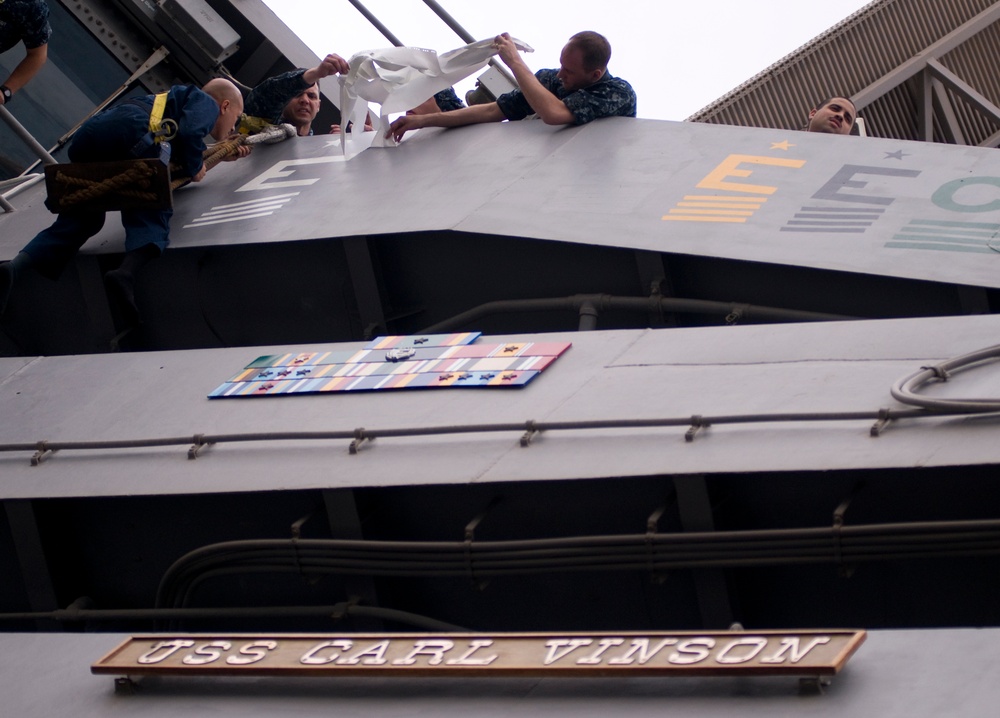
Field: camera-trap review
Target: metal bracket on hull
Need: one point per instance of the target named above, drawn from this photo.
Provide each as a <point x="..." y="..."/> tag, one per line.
<point x="470" y="536"/>
<point x="814" y="685"/>
<point x="126" y="685"/>
<point x="42" y="454"/>
<point x="839" y="518"/>
<point x="529" y="433"/>
<point x="884" y="417"/>
<point x="199" y="444"/>
<point x="697" y="423"/>
<point x="359" y="438"/>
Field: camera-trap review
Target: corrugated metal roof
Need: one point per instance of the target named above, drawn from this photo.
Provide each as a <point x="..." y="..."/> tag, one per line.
<point x="857" y="58"/>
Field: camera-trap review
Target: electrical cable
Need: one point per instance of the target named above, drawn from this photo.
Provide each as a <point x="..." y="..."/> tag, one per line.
<point x="905" y="390"/>
<point x="599" y="553"/>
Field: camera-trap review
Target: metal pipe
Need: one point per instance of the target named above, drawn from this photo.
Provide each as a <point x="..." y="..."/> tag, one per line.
<point x="451" y="559"/>
<point x="200" y="440"/>
<point x="72" y="614"/>
<point x="377" y="23"/>
<point x="905" y="390"/>
<point x="588" y="316"/>
<point x="158" y="55"/>
<point x="632" y="552"/>
<point x="14" y="181"/>
<point x="26" y="137"/>
<point x="20" y="184"/>
<point x="441" y="13"/>
<point x="449" y="20"/>
<point x="637" y="304"/>
<point x="466" y="36"/>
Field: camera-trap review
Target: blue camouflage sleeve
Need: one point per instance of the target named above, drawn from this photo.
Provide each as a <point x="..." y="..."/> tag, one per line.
<point x="447" y="100"/>
<point x="268" y="99"/>
<point x="611" y="97"/>
<point x="27" y="20"/>
<point x="514" y="105"/>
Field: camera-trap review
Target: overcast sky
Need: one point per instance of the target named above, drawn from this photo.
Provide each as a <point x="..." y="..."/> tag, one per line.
<point x="679" y="55"/>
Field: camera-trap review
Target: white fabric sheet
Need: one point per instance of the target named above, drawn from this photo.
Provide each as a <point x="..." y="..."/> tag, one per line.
<point x="400" y="78"/>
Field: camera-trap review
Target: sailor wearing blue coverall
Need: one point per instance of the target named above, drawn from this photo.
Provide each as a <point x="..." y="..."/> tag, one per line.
<point x="114" y="134"/>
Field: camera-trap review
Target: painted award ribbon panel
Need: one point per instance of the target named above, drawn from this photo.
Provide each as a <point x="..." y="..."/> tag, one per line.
<point x="411" y="362"/>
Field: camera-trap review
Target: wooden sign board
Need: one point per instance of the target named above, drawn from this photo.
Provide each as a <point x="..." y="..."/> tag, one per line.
<point x="108" y="186"/>
<point x="726" y="653"/>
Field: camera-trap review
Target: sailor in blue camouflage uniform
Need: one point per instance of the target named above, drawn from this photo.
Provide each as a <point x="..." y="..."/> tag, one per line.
<point x="444" y="101"/>
<point x="24" y="21"/>
<point x="447" y="100"/>
<point x="608" y="97"/>
<point x="293" y="97"/>
<point x="118" y="133"/>
<point x="580" y="91"/>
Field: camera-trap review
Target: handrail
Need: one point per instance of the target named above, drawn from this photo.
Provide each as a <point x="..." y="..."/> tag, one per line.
<point x="26" y="137"/>
<point x="16" y="185"/>
<point x="445" y="17"/>
<point x="32" y="144"/>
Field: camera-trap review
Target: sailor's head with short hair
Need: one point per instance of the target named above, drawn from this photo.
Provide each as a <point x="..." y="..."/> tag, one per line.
<point x="584" y="60"/>
<point x="595" y="48"/>
<point x="230" y="101"/>
<point x="834" y="115"/>
<point x="302" y="109"/>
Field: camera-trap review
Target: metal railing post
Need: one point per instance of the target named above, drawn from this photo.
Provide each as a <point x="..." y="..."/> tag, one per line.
<point x="26" y="137"/>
